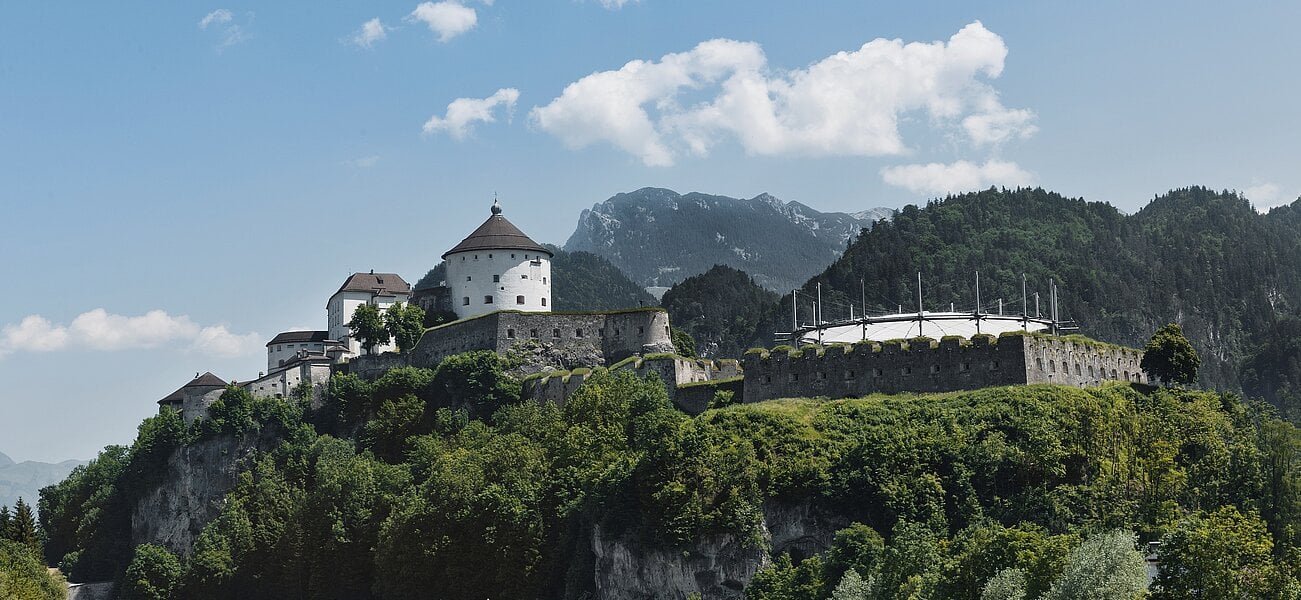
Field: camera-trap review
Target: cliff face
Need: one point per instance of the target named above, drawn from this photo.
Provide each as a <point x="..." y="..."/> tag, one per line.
<point x="720" y="566"/>
<point x="195" y="480"/>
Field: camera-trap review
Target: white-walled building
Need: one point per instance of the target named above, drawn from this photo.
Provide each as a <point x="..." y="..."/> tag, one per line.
<point x="498" y="268"/>
<point x="380" y="289"/>
<point x="287" y="346"/>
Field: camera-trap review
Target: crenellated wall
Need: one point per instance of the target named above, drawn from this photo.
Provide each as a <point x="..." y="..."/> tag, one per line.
<point x="948" y="365"/>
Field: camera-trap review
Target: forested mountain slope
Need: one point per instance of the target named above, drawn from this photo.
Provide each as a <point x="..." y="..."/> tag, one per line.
<point x="1201" y="258"/>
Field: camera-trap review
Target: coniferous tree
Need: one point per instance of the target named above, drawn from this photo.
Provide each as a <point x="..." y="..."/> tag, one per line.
<point x="22" y="527"/>
<point x="5" y="519"/>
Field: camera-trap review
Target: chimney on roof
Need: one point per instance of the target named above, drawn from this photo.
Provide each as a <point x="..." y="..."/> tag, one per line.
<point x="372" y="271"/>
<point x="196" y="374"/>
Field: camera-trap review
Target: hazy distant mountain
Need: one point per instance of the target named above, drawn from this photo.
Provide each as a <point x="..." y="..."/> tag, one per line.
<point x="659" y="237"/>
<point x="25" y="479"/>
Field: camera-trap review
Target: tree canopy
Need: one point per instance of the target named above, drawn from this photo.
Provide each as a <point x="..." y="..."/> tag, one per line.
<point x="1169" y="357"/>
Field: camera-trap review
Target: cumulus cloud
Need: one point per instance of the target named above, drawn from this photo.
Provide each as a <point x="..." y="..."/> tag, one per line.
<point x="938" y="179"/>
<point x="847" y="104"/>
<point x="223" y="21"/>
<point x="103" y="331"/>
<point x="462" y="113"/>
<point x="371" y="31"/>
<point x="447" y="19"/>
<point x="614" y="4"/>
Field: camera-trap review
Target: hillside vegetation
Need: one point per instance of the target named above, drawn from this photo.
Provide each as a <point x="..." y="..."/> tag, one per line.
<point x="936" y="494"/>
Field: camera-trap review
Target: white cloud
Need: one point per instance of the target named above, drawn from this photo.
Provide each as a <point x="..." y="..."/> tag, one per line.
<point x="100" y="330"/>
<point x="1267" y="195"/>
<point x="219" y="16"/>
<point x="614" y="4"/>
<point x="231" y="32"/>
<point x="448" y="18"/>
<point x="938" y="179"/>
<point x="847" y="104"/>
<point x="462" y="113"/>
<point x="371" y="31"/>
<point x="219" y="341"/>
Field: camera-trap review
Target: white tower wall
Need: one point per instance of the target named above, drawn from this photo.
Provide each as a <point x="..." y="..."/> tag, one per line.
<point x="483" y="281"/>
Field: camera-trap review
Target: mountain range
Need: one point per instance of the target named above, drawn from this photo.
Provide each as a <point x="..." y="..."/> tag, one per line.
<point x="25" y="479"/>
<point x="659" y="237"/>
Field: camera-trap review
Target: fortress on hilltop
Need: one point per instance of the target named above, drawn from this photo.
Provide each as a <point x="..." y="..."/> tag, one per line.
<point x="498" y="286"/>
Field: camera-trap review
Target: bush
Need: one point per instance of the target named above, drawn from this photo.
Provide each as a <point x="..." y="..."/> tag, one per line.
<point x="23" y="577"/>
<point x="153" y="574"/>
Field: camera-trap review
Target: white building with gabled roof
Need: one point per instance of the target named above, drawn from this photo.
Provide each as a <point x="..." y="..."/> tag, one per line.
<point x="498" y="268"/>
<point x="380" y="289"/>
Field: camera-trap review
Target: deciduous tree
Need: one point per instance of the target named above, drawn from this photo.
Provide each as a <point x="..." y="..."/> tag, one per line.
<point x="1170" y="357"/>
<point x="368" y="327"/>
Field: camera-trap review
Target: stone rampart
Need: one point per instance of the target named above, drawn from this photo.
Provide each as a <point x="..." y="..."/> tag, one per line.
<point x="927" y="366"/>
<point x="682" y="377"/>
<point x="564" y="340"/>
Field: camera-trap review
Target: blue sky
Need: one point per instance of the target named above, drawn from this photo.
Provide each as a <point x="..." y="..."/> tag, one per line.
<point x="182" y="180"/>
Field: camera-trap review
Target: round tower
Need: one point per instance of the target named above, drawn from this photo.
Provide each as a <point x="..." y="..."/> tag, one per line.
<point x="498" y="268"/>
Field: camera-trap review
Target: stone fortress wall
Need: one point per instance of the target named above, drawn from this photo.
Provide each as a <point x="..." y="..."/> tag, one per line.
<point x="687" y="380"/>
<point x="925" y="366"/>
<point x="565" y="340"/>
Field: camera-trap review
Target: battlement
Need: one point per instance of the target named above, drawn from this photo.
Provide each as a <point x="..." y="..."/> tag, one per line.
<point x="925" y="365"/>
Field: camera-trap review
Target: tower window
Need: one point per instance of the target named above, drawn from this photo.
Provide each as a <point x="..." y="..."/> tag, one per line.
<point x="487" y="299"/>
<point x="496" y="278"/>
<point x="544" y="280"/>
<point x="510" y="334"/>
<point x="512" y="255"/>
<point x="578" y="333"/>
<point x="489" y="256"/>
<point x="465" y="301"/>
<point x="523" y="276"/>
<point x="555" y="333"/>
<point x="533" y="333"/>
<point x="544" y="302"/>
<point x="467" y="278"/>
<point x="519" y="299"/>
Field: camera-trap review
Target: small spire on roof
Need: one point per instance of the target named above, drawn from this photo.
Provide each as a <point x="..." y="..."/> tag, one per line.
<point x="496" y="205"/>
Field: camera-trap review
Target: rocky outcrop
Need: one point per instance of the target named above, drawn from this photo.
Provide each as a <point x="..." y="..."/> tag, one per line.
<point x="193" y="484"/>
<point x="718" y="566"/>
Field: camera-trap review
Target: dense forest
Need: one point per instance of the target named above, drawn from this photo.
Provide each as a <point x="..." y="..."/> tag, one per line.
<point x="1030" y="488"/>
<point x="721" y="309"/>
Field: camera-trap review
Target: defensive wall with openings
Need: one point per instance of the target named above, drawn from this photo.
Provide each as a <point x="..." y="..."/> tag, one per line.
<point x="923" y="365"/>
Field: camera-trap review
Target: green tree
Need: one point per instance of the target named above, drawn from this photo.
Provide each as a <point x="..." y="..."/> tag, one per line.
<point x="6" y="519"/>
<point x="476" y="381"/>
<point x="23" y="529"/>
<point x="1170" y="357"/>
<point x="23" y="577"/>
<point x="1105" y="567"/>
<point x="368" y="327"/>
<point x="853" y="587"/>
<point x="153" y="574"/>
<point x="683" y="343"/>
<point x="1223" y="554"/>
<point x="786" y="581"/>
<point x="405" y="323"/>
<point x="1008" y="584"/>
